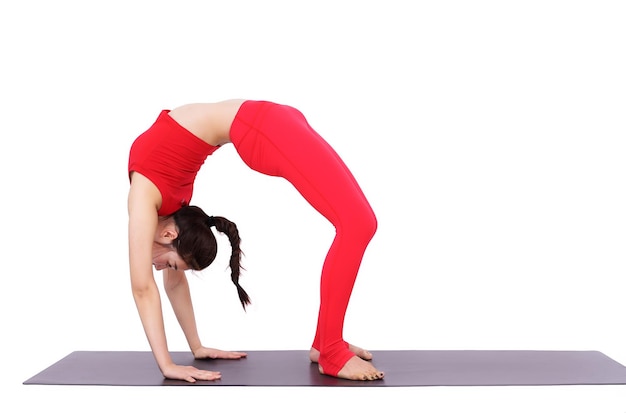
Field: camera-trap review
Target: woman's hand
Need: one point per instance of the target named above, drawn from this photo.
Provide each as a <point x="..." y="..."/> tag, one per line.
<point x="213" y="353"/>
<point x="189" y="373"/>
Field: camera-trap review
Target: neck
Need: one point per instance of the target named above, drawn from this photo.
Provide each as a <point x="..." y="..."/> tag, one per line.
<point x="160" y="249"/>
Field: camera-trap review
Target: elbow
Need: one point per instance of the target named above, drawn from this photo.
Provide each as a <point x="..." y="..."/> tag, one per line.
<point x="139" y="291"/>
<point x="172" y="279"/>
<point x="143" y="290"/>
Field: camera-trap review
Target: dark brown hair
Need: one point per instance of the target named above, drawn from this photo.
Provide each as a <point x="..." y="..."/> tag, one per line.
<point x="197" y="245"/>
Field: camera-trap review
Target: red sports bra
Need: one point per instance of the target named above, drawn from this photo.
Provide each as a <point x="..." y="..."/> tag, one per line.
<point x="170" y="157"/>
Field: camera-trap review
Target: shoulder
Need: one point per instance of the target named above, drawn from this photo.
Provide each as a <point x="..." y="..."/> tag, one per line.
<point x="143" y="193"/>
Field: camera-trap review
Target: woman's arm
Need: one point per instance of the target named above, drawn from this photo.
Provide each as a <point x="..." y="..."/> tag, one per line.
<point x="142" y="222"/>
<point x="143" y="219"/>
<point x="177" y="290"/>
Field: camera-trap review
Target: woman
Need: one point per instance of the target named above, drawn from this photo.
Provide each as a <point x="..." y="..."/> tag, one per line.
<point x="169" y="235"/>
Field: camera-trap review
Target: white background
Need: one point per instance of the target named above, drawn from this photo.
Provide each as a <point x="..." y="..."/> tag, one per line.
<point x="489" y="137"/>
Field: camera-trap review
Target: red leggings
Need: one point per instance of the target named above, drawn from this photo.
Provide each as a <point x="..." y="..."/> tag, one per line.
<point x="277" y="140"/>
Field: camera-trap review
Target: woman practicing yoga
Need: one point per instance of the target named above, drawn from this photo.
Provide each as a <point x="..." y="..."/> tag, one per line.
<point x="168" y="234"/>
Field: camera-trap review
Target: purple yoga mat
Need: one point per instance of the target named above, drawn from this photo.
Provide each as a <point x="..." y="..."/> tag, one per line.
<point x="292" y="368"/>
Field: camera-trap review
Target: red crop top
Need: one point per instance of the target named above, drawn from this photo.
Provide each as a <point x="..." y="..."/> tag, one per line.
<point x="170" y="157"/>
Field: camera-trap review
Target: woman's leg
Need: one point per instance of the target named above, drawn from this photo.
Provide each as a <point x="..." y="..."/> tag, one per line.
<point x="281" y="143"/>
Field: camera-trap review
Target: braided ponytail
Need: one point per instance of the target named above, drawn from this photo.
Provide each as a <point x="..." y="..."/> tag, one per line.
<point x="197" y="246"/>
<point x="229" y="228"/>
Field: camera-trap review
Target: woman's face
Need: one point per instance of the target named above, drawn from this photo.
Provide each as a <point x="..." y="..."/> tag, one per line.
<point x="168" y="260"/>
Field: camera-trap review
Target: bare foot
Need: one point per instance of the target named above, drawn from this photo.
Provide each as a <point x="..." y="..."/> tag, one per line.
<point x="358" y="369"/>
<point x="314" y="354"/>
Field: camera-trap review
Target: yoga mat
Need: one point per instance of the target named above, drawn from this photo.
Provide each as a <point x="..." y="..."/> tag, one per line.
<point x="292" y="368"/>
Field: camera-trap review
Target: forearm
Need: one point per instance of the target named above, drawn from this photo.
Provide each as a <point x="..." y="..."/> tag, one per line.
<point x="177" y="290"/>
<point x="149" y="306"/>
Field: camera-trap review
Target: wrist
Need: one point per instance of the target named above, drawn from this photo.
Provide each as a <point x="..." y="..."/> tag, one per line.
<point x="163" y="360"/>
<point x="164" y="366"/>
<point x="195" y="348"/>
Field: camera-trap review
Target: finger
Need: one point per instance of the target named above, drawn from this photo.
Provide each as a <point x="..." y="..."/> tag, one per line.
<point x="208" y="375"/>
<point x="228" y="355"/>
<point x="236" y="354"/>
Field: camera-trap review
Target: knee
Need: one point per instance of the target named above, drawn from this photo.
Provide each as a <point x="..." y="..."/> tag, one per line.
<point x="363" y="225"/>
<point x="371" y="225"/>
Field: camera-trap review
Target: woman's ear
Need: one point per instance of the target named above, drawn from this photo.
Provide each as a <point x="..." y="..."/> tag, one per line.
<point x="170" y="234"/>
<point x="167" y="233"/>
